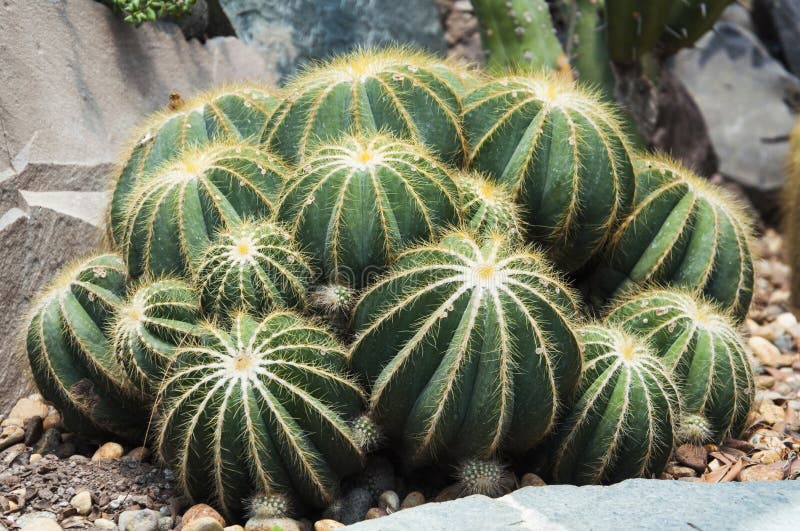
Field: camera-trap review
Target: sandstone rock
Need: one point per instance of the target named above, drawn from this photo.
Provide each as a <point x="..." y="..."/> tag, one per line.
<point x="761" y="473"/>
<point x="27" y="408"/>
<point x="82" y="502"/>
<point x="413" y="499"/>
<point x="204" y="523"/>
<point x="53" y="421"/>
<point x="11" y="435"/>
<point x="202" y="510"/>
<point x="140" y="454"/>
<point x="375" y="512"/>
<point x="531" y="480"/>
<point x="108" y="452"/>
<point x="327" y="525"/>
<point x="142" y="520"/>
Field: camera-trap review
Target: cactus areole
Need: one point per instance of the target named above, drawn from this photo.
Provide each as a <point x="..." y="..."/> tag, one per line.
<point x="468" y="348"/>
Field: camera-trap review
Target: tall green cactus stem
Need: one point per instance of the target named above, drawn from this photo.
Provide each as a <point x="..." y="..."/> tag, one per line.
<point x="488" y="207"/>
<point x="587" y="48"/>
<point x="562" y="154"/>
<point x="623" y="422"/>
<point x="355" y="204"/>
<point x="407" y="93"/>
<point x="229" y="113"/>
<point x="71" y="357"/>
<point x="260" y="407"/>
<point x="689" y="20"/>
<point x="468" y="348"/>
<point x="791" y="212"/>
<point x="172" y="214"/>
<point x="702" y="349"/>
<point x="519" y="34"/>
<point x="682" y="232"/>
<point x="147" y="328"/>
<point x="253" y="266"/>
<point x="634" y="27"/>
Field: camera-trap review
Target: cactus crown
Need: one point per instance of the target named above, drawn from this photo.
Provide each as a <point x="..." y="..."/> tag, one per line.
<point x="272" y="505"/>
<point x="485" y="477"/>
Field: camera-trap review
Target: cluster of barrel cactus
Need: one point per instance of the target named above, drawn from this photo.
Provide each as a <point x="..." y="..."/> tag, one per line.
<point x="393" y="254"/>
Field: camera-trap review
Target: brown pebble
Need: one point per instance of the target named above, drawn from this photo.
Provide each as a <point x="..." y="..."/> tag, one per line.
<point x="694" y="457"/>
<point x="448" y="493"/>
<point x="201" y="510"/>
<point x="413" y="499"/>
<point x="108" y="452"/>
<point x="531" y="480"/>
<point x="204" y="523"/>
<point x="325" y="525"/>
<point x="140" y="454"/>
<point x="678" y="471"/>
<point x="53" y="420"/>
<point x="375" y="512"/>
<point x="761" y="473"/>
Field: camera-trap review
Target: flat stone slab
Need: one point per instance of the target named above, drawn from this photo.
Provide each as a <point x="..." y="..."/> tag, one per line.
<point x="632" y="504"/>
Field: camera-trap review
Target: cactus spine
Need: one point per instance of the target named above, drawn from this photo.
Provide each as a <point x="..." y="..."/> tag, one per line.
<point x="253" y="266"/>
<point x="71" y="358"/>
<point x="230" y="113"/>
<point x="468" y="348"/>
<point x="409" y="94"/>
<point x="259" y="407"/>
<point x="355" y="204"/>
<point x="682" y="232"/>
<point x="488" y="207"/>
<point x="560" y="152"/>
<point x="703" y="351"/>
<point x="171" y="215"/>
<point x="148" y="326"/>
<point x="623" y="422"/>
<point x="485" y="477"/>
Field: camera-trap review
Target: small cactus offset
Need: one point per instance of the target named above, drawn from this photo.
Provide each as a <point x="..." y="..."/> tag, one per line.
<point x="560" y="152"/>
<point x="230" y="113"/>
<point x="703" y="351"/>
<point x="71" y="358"/>
<point x="468" y="348"/>
<point x="172" y="214"/>
<point x="485" y="477"/>
<point x="262" y="507"/>
<point x="682" y="232"/>
<point x="488" y="207"/>
<point x="253" y="266"/>
<point x="409" y="94"/>
<point x="356" y="204"/>
<point x="622" y="424"/>
<point x="262" y="406"/>
<point x="147" y="328"/>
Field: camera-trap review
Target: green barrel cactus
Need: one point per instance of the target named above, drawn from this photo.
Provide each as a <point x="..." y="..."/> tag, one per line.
<point x="634" y="27"/>
<point x="682" y="232"/>
<point x="622" y="424"/>
<point x="703" y="351"/>
<point x="253" y="266"/>
<point x="148" y="327"/>
<point x="689" y="20"/>
<point x="468" y="348"/>
<point x="172" y="214"/>
<point x="487" y="207"/>
<point x="561" y="153"/>
<point x="260" y="407"/>
<point x="231" y="113"/>
<point x="70" y="355"/>
<point x="355" y="204"/>
<point x="409" y="94"/>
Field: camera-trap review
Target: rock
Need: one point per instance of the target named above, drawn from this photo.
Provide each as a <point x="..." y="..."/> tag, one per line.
<point x="531" y="480"/>
<point x="165" y="523"/>
<point x="11" y="435"/>
<point x="82" y="502"/>
<point x="293" y="33"/>
<point x="268" y="524"/>
<point x="141" y="520"/>
<point x="204" y="523"/>
<point x="631" y="504"/>
<point x="375" y="512"/>
<point x="234" y="528"/>
<point x="140" y="454"/>
<point x="692" y="456"/>
<point x="53" y="421"/>
<point x="104" y="523"/>
<point x="326" y="525"/>
<point x="40" y="524"/>
<point x="389" y="501"/>
<point x="678" y="472"/>
<point x="27" y="408"/>
<point x="201" y="510"/>
<point x="784" y="18"/>
<point x="768" y="354"/>
<point x="49" y="442"/>
<point x="109" y="451"/>
<point x="84" y="92"/>
<point x="413" y="499"/>
<point x="448" y="493"/>
<point x="34" y="427"/>
<point x="761" y="473"/>
<point x="12" y="421"/>
<point x="730" y="69"/>
<point x="35" y="458"/>
<point x="766" y="457"/>
<point x="351" y="507"/>
<point x="36" y="519"/>
<point x="771" y="412"/>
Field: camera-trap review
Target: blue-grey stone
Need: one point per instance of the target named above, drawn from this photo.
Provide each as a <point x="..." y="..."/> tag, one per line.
<point x="630" y="505"/>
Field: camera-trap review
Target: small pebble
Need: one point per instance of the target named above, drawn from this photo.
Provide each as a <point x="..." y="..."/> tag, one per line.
<point x="204" y="523"/>
<point x="201" y="510"/>
<point x="104" y="523"/>
<point x="531" y="480"/>
<point x="141" y="520"/>
<point x="108" y="452"/>
<point x="327" y="524"/>
<point x="268" y="524"/>
<point x="761" y="473"/>
<point x="53" y="421"/>
<point x="413" y="499"/>
<point x="41" y="524"/>
<point x="375" y="512"/>
<point x="35" y="458"/>
<point x="389" y="501"/>
<point x="11" y="435"/>
<point x="234" y="528"/>
<point x="82" y="502"/>
<point x="140" y="454"/>
<point x="678" y="471"/>
<point x="448" y="493"/>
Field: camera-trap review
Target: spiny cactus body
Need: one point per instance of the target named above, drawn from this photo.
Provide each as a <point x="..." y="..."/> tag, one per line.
<point x="791" y="212"/>
<point x="622" y="423"/>
<point x="689" y="20"/>
<point x="703" y="351"/>
<point x="230" y="113"/>
<point x="356" y="204"/>
<point x="156" y="317"/>
<point x="562" y="155"/>
<point x="634" y="27"/>
<point x="468" y="347"/>
<point x="263" y="406"/>
<point x="71" y="357"/>
<point x="262" y="507"/>
<point x="485" y="477"/>
<point x="172" y="214"/>
<point x="409" y="94"/>
<point x="368" y="434"/>
<point x="488" y="207"/>
<point x="253" y="266"/>
<point x="682" y="232"/>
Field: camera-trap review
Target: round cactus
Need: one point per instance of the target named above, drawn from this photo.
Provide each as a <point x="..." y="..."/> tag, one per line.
<point x="71" y="357"/>
<point x="172" y="213"/>
<point x="354" y="205"/>
<point x="468" y="347"/>
<point x="148" y="326"/>
<point x="264" y="406"/>
<point x="229" y="113"/>
<point x="263" y="507"/>
<point x="560" y="152"/>
<point x="254" y="267"/>
<point x="485" y="477"/>
<point x="367" y="433"/>
<point x="683" y="232"/>
<point x="488" y="207"/>
<point x="703" y="350"/>
<point x="409" y="94"/>
<point x="622" y="424"/>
